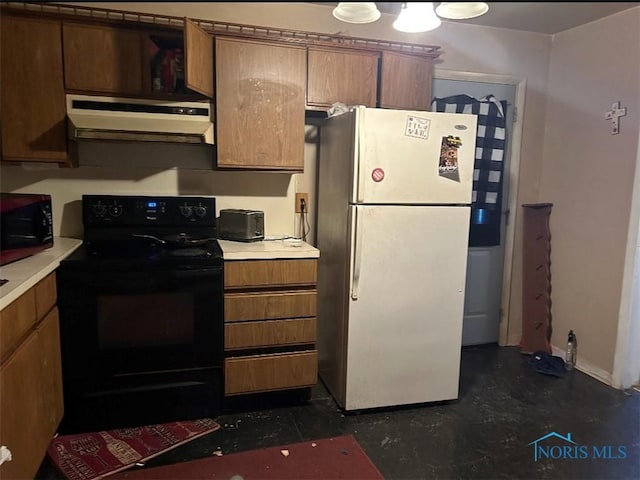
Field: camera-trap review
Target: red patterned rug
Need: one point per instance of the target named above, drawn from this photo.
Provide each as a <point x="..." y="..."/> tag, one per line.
<point x="325" y="459"/>
<point x="95" y="455"/>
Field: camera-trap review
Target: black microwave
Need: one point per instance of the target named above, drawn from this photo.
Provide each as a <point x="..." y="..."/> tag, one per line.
<point x="26" y="225"/>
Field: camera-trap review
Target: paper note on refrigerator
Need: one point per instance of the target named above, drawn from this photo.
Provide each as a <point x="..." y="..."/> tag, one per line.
<point x="417" y="127"/>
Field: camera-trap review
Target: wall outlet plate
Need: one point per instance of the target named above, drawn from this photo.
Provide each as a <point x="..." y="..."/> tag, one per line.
<point x="299" y="198"/>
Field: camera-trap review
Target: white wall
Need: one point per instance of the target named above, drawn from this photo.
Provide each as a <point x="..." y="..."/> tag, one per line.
<point x="271" y="192"/>
<point x="588" y="174"/>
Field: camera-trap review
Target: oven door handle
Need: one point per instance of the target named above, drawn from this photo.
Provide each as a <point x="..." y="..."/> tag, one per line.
<point x="197" y="274"/>
<point x="139" y="282"/>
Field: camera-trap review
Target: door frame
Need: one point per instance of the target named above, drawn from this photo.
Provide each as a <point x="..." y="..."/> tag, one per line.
<point x="514" y="174"/>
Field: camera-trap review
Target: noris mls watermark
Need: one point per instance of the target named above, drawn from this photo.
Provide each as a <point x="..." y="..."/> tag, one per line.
<point x="562" y="447"/>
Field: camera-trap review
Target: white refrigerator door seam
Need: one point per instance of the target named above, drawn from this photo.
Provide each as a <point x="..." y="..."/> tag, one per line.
<point x="356" y="259"/>
<point x="359" y="152"/>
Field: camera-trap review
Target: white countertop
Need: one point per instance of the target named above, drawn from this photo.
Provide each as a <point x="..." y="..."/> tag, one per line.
<point x="24" y="274"/>
<point x="267" y="249"/>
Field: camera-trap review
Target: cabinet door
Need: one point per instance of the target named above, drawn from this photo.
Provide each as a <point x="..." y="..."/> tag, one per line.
<point x="349" y="77"/>
<point x="33" y="97"/>
<point x="16" y="319"/>
<point x="260" y="105"/>
<point x="46" y="295"/>
<point x="198" y="46"/>
<point x="405" y="82"/>
<point x="102" y="59"/>
<point x="51" y="372"/>
<point x="22" y="411"/>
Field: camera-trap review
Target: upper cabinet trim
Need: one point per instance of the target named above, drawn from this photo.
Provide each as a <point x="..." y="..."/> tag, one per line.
<point x="215" y="27"/>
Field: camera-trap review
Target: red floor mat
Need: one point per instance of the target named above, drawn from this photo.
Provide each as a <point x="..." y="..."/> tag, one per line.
<point x="94" y="455"/>
<point x="325" y="459"/>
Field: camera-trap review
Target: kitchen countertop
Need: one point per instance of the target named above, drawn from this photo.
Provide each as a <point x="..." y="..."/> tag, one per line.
<point x="267" y="249"/>
<point x="25" y="273"/>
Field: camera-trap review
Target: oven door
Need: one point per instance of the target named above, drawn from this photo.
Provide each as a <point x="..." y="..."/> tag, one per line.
<point x="120" y="326"/>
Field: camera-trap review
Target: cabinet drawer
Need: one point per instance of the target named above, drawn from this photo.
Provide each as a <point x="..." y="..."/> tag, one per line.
<point x="269" y="333"/>
<point x="46" y="295"/>
<point x="16" y="319"/>
<point x="272" y="273"/>
<point x="270" y="372"/>
<point x="239" y="307"/>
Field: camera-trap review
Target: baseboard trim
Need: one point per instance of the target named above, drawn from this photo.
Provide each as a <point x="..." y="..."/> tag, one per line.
<point x="513" y="340"/>
<point x="586" y="367"/>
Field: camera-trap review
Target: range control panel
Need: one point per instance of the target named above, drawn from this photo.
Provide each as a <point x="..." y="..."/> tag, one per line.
<point x="132" y="210"/>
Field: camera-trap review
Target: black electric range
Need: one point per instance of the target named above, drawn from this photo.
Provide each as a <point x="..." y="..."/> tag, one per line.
<point x="141" y="312"/>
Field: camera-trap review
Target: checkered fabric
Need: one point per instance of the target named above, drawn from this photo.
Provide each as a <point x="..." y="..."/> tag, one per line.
<point x="490" y="144"/>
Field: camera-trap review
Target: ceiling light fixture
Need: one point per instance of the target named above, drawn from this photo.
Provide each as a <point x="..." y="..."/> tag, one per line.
<point x="357" y="12"/>
<point x="461" y="10"/>
<point x="416" y="17"/>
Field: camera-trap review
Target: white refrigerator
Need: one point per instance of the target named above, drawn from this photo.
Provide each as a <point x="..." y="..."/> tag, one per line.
<point x="394" y="195"/>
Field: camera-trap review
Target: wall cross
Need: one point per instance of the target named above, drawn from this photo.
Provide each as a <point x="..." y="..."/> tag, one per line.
<point x="614" y="115"/>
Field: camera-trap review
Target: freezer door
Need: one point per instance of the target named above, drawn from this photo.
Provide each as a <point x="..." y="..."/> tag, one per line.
<point x="399" y="157"/>
<point x="405" y="309"/>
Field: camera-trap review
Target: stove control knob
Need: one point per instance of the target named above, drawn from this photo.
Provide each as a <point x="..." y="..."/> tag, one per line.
<point x="201" y="211"/>
<point x="98" y="209"/>
<point x="115" y="210"/>
<point x="186" y="210"/>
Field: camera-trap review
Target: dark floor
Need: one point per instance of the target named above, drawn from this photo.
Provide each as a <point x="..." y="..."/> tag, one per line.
<point x="503" y="406"/>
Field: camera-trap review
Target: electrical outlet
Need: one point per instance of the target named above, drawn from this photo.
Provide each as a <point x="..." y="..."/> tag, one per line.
<point x="299" y="198"/>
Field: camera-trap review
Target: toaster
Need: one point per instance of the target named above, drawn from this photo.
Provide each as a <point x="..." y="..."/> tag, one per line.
<point x="241" y="225"/>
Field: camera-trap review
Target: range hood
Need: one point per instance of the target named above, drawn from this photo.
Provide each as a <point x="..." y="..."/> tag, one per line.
<point x="92" y="117"/>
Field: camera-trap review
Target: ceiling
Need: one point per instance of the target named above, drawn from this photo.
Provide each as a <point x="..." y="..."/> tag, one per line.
<point x="541" y="17"/>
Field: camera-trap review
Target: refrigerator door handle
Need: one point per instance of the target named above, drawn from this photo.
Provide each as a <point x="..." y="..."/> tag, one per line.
<point x="356" y="259"/>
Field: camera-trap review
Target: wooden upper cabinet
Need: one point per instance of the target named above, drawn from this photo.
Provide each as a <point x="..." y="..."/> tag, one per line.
<point x="102" y="59"/>
<point x="346" y="76"/>
<point x="260" y="105"/>
<point x="198" y="46"/>
<point x="138" y="62"/>
<point x="405" y="81"/>
<point x="32" y="91"/>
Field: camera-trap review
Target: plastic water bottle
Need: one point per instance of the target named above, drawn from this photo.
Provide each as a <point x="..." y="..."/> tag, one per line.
<point x="572" y="351"/>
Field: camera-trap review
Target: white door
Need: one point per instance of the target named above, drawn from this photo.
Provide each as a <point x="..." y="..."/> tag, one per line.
<point x="485" y="264"/>
<point x="406" y="304"/>
<point x="398" y="162"/>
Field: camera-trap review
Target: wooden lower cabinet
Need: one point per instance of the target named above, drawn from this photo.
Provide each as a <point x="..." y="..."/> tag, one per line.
<point x="31" y="401"/>
<point x="270" y="325"/>
<point x="261" y="373"/>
